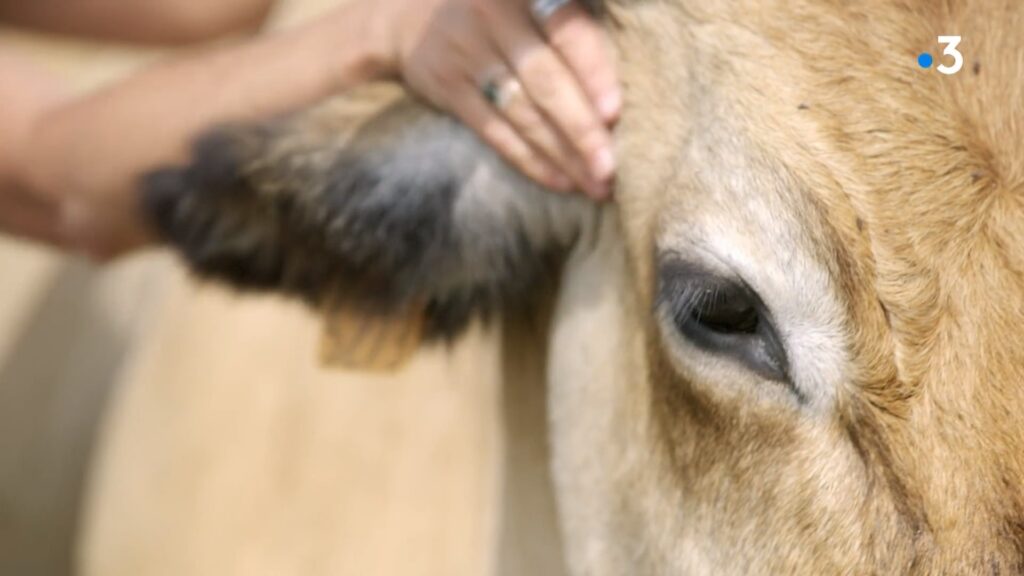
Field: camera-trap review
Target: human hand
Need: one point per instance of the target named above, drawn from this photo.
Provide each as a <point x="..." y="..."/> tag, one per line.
<point x="542" y="94"/>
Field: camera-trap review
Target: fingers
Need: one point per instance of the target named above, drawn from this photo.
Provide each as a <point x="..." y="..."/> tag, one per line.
<point x="556" y="129"/>
<point x="535" y="128"/>
<point x="581" y="42"/>
<point x="480" y="116"/>
<point x="553" y="87"/>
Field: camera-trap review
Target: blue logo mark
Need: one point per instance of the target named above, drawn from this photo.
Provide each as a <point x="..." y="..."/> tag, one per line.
<point x="924" y="60"/>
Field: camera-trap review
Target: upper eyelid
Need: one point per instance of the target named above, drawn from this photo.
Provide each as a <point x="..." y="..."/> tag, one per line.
<point x="672" y="265"/>
<point x="707" y="263"/>
<point x="693" y="296"/>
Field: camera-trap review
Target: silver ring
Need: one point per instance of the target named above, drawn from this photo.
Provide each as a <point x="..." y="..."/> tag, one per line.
<point x="500" y="90"/>
<point x="543" y="10"/>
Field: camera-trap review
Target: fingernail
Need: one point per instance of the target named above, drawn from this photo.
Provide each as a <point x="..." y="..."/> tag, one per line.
<point x="610" y="105"/>
<point x="603" y="164"/>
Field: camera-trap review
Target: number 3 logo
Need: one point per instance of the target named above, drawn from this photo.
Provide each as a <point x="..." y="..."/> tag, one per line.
<point x="951" y="43"/>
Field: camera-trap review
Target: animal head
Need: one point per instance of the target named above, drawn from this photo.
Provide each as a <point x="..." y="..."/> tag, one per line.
<point x="793" y="344"/>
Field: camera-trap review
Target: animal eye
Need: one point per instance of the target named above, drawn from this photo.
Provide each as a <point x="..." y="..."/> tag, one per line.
<point x="726" y="312"/>
<point x="722" y="316"/>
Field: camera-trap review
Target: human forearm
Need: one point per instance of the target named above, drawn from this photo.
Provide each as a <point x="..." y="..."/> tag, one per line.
<point x="144" y="21"/>
<point x="89" y="152"/>
<point x="26" y="92"/>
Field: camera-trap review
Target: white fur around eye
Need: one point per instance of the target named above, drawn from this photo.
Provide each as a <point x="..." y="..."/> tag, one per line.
<point x="741" y="217"/>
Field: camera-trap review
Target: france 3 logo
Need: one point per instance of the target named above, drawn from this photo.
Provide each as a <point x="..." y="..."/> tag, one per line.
<point x="925" y="60"/>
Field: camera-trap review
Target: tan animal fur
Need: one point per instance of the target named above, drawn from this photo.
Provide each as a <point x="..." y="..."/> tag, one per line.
<point x="874" y="207"/>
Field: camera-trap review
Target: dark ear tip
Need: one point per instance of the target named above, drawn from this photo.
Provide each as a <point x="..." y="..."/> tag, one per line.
<point x="162" y="190"/>
<point x="216" y="167"/>
<point x="218" y="158"/>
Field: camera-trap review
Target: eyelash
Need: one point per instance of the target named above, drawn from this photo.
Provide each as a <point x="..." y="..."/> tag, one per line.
<point x="689" y="299"/>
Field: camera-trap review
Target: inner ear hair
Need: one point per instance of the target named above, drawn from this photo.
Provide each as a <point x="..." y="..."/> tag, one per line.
<point x="373" y="200"/>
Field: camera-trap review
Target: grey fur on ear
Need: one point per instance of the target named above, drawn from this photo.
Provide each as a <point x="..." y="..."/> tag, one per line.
<point x="402" y="207"/>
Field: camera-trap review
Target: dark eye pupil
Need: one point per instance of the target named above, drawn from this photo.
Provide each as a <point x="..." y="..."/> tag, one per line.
<point x="727" y="316"/>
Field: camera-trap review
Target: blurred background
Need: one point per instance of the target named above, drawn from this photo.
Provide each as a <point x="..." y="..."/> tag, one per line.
<point x="152" y="426"/>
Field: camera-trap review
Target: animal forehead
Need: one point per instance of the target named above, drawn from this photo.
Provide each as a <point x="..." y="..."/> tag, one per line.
<point x="914" y="178"/>
<point x="854" y="69"/>
<point x="834" y="92"/>
<point x="919" y="171"/>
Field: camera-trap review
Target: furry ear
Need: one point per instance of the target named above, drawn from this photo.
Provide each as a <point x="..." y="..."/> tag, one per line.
<point x="371" y="203"/>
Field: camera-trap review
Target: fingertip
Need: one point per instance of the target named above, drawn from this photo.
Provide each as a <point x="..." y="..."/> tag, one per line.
<point x="603" y="164"/>
<point x="609" y="105"/>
